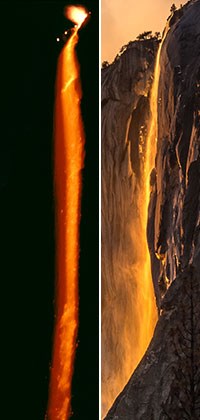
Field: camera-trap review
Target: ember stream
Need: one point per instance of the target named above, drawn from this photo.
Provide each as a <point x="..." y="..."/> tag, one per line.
<point x="68" y="163"/>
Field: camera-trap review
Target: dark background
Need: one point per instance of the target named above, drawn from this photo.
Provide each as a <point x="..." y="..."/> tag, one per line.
<point x="29" y="53"/>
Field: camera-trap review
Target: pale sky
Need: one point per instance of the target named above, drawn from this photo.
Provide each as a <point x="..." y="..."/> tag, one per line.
<point x="123" y="20"/>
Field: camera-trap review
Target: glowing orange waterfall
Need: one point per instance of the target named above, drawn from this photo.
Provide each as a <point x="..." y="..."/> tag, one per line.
<point x="133" y="316"/>
<point x="69" y="159"/>
<point x="152" y="135"/>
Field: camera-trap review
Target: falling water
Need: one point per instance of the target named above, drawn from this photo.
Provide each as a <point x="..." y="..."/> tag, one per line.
<point x="69" y="157"/>
<point x="152" y="135"/>
<point x="129" y="310"/>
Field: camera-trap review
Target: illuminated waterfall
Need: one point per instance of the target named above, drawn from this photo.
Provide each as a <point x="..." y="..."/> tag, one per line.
<point x="152" y="135"/>
<point x="129" y="310"/>
<point x="68" y="163"/>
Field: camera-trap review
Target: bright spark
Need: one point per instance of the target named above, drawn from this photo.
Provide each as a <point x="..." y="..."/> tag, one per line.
<point x="76" y="14"/>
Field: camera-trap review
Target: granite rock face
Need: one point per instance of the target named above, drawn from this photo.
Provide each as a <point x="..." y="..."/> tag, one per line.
<point x="174" y="206"/>
<point x="125" y="115"/>
<point x="166" y="384"/>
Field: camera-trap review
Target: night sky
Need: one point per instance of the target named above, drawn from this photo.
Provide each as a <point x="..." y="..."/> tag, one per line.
<point x="29" y="53"/>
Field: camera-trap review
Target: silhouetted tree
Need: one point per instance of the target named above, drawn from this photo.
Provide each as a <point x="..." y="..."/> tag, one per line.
<point x="144" y="35"/>
<point x="157" y="35"/>
<point x="173" y="8"/>
<point x="104" y="64"/>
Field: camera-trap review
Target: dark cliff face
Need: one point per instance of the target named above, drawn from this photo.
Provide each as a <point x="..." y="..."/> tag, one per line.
<point x="174" y="207"/>
<point x="166" y="383"/>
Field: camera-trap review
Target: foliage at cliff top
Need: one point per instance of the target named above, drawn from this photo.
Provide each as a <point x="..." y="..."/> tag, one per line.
<point x="144" y="36"/>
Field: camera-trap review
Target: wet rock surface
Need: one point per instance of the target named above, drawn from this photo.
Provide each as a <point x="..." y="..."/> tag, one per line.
<point x="166" y="384"/>
<point x="125" y="115"/>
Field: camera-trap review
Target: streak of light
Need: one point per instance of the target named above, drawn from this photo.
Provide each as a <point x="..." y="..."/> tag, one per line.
<point x="69" y="160"/>
<point x="153" y="130"/>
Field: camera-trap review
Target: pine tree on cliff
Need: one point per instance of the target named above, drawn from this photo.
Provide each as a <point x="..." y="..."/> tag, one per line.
<point x="104" y="64"/>
<point x="173" y="8"/>
<point x="144" y="35"/>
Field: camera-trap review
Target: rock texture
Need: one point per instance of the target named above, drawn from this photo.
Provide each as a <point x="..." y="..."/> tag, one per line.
<point x="166" y="384"/>
<point x="125" y="115"/>
<point x="174" y="202"/>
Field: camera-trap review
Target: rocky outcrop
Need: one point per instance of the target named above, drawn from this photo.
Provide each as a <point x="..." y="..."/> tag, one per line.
<point x="166" y="384"/>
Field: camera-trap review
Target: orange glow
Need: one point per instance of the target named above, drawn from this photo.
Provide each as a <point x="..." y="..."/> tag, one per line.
<point x="69" y="159"/>
<point x="152" y="135"/>
<point x="131" y="316"/>
<point x="132" y="319"/>
<point x="123" y="22"/>
<point x="76" y="14"/>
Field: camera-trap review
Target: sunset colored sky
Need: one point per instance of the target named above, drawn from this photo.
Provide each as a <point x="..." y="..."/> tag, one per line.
<point x="123" y="20"/>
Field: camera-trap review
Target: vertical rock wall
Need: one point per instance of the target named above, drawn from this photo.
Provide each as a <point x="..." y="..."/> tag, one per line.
<point x="125" y="114"/>
<point x="174" y="207"/>
<point x="166" y="383"/>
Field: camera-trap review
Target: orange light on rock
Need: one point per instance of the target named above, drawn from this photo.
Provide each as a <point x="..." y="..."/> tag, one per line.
<point x="68" y="163"/>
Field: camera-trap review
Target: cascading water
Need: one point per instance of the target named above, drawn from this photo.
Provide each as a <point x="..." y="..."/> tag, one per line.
<point x="69" y="142"/>
<point x="152" y="135"/>
<point x="128" y="303"/>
